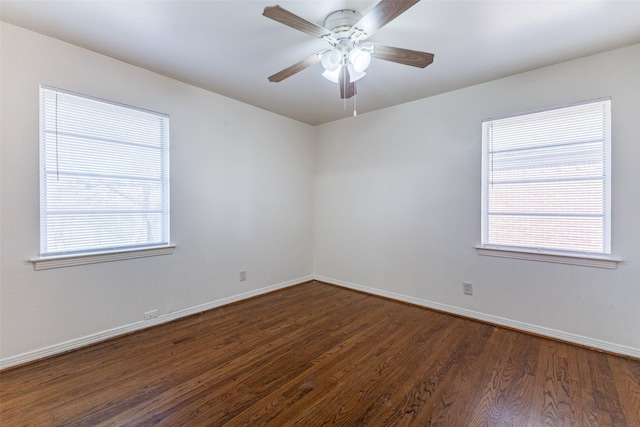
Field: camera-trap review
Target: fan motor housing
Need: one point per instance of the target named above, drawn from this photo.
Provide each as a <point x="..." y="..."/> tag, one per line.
<point x="342" y="20"/>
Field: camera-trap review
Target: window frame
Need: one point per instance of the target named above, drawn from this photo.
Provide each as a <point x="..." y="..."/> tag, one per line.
<point x="120" y="249"/>
<point x="565" y="256"/>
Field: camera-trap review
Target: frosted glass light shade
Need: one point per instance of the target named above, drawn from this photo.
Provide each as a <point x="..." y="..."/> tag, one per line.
<point x="355" y="75"/>
<point x="333" y="76"/>
<point x="360" y="59"/>
<point x="331" y="60"/>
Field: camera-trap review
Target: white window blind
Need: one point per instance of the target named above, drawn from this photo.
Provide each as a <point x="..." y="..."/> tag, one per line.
<point x="104" y="176"/>
<point x="546" y="180"/>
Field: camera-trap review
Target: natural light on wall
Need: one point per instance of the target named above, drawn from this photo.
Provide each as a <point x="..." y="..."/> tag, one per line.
<point x="547" y="179"/>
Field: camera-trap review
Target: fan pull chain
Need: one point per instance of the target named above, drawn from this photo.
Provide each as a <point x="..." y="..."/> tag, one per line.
<point x="355" y="103"/>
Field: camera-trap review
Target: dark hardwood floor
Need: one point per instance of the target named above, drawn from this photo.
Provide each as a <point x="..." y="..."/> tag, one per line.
<point x="315" y="354"/>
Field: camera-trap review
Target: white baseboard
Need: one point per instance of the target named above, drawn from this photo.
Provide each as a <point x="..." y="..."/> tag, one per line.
<point x="496" y="320"/>
<point x="77" y="343"/>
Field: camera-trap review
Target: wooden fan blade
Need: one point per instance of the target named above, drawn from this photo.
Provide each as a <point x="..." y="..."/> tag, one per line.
<point x="381" y="14"/>
<point x="414" y="58"/>
<point x="294" y="21"/>
<point x="347" y="87"/>
<point x="296" y="68"/>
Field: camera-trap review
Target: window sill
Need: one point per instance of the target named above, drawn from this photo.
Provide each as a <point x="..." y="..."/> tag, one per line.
<point x="70" y="261"/>
<point x="583" y="260"/>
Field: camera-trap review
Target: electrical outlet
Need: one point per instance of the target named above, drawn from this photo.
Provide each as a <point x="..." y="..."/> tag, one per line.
<point x="243" y="276"/>
<point x="150" y="314"/>
<point x="467" y="288"/>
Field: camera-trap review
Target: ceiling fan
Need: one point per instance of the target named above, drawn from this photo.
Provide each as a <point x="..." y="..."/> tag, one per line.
<point x="348" y="54"/>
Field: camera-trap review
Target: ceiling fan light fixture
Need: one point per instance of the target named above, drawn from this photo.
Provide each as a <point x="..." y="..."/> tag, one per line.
<point x="346" y="60"/>
<point x="331" y="60"/>
<point x="354" y="74"/>
<point x="360" y="59"/>
<point x="332" y="76"/>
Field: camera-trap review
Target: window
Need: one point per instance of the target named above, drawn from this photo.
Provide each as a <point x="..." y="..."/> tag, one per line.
<point x="546" y="181"/>
<point x="104" y="176"/>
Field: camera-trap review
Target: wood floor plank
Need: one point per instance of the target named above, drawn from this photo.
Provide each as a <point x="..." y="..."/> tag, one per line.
<point x="344" y="357"/>
<point x="428" y="394"/>
<point x="399" y="378"/>
<point x="316" y="354"/>
<point x="504" y="377"/>
<point x="263" y="347"/>
<point x="629" y="389"/>
<point x="356" y="383"/>
<point x="262" y="374"/>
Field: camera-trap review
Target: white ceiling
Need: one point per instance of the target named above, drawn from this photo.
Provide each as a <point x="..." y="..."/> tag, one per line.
<point x="228" y="47"/>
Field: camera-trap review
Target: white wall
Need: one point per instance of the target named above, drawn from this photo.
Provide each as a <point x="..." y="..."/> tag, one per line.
<point x="241" y="189"/>
<point x="397" y="207"/>
<point x="394" y="210"/>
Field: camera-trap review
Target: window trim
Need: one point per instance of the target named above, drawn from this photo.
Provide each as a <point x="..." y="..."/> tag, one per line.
<point x="46" y="263"/>
<point x="604" y="260"/>
<point x="608" y="262"/>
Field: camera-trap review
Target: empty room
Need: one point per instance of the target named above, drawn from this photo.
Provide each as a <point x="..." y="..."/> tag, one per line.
<point x="356" y="213"/>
